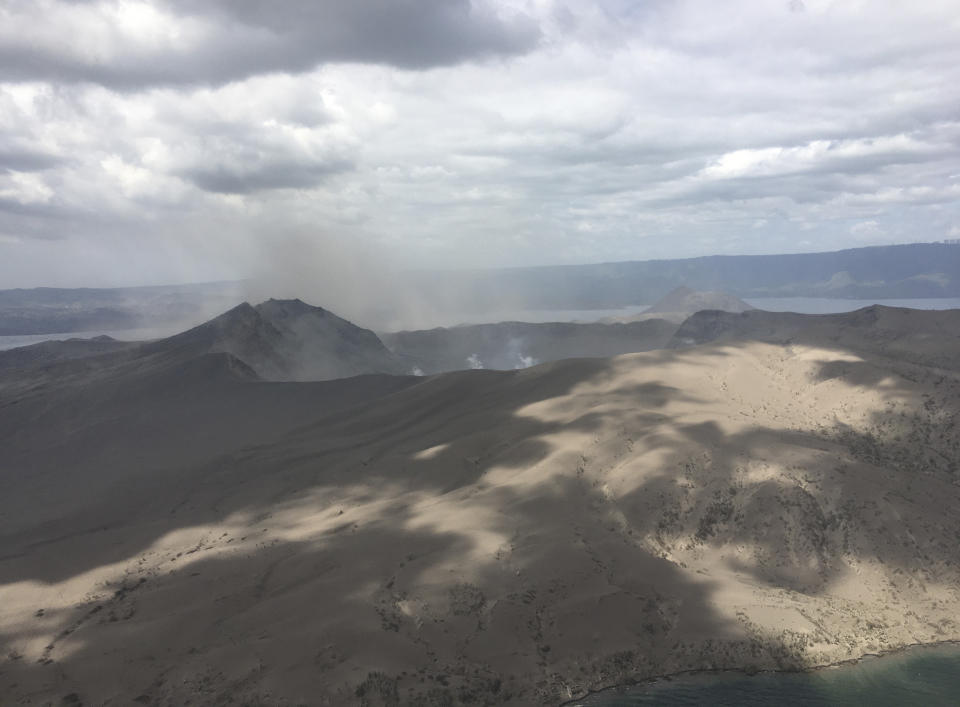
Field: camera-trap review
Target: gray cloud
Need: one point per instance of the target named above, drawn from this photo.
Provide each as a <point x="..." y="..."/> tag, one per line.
<point x="26" y="160"/>
<point x="175" y="42"/>
<point x="274" y="174"/>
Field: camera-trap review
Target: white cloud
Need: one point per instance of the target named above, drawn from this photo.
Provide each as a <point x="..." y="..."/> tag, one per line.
<point x="25" y="188"/>
<point x="827" y="155"/>
<point x="620" y="131"/>
<point x="866" y="229"/>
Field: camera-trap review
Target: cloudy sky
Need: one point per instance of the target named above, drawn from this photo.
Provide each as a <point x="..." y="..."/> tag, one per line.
<point x="171" y="141"/>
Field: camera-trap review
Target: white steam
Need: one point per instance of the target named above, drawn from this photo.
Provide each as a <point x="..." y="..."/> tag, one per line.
<point x="526" y="361"/>
<point x="474" y="362"/>
<point x="515" y="355"/>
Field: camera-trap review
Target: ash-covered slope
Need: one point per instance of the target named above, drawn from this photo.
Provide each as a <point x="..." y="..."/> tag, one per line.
<point x="88" y="443"/>
<point x="286" y="340"/>
<point x="278" y="340"/>
<point x="50" y="352"/>
<point x="928" y="337"/>
<point x="319" y="345"/>
<point x="480" y="537"/>
<point x="684" y="299"/>
<point x="511" y="345"/>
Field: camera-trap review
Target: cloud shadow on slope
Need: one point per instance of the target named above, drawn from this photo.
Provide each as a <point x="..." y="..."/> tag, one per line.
<point x="528" y="591"/>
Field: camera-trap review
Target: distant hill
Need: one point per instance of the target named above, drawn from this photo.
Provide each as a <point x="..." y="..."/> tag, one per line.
<point x="925" y="337"/>
<point x="48" y="352"/>
<point x="684" y="299"/>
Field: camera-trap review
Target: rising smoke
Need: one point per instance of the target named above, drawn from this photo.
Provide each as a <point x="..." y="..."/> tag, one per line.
<point x="339" y="275"/>
<point x="526" y="361"/>
<point x="353" y="280"/>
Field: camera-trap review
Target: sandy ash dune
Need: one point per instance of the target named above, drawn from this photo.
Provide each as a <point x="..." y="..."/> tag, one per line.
<point x="920" y="336"/>
<point x="179" y="530"/>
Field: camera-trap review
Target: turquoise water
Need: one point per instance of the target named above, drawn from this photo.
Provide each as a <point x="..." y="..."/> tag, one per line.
<point x="925" y="677"/>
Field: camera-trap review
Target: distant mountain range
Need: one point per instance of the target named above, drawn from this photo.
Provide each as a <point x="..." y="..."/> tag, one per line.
<point x="880" y="272"/>
<point x="877" y="272"/>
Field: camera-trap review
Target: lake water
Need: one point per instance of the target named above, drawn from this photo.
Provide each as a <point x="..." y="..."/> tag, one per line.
<point x="923" y="676"/>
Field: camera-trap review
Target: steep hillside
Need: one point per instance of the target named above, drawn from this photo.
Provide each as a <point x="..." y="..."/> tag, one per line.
<point x="319" y="345"/>
<point x="285" y="340"/>
<point x="278" y="340"/>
